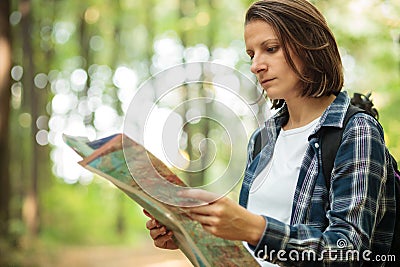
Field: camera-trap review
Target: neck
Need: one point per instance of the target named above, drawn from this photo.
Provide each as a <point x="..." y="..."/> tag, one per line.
<point x="304" y="110"/>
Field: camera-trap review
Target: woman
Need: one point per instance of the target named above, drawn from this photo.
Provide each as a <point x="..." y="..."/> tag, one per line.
<point x="285" y="203"/>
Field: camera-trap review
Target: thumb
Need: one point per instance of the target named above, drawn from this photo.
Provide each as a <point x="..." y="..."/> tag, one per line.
<point x="148" y="214"/>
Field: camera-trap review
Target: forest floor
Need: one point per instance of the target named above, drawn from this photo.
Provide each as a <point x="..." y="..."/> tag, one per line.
<point x="106" y="256"/>
<point x="116" y="256"/>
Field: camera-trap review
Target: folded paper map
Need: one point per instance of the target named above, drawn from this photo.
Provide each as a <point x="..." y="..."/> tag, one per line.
<point x="108" y="158"/>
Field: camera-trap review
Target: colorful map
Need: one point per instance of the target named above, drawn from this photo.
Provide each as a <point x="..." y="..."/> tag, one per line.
<point x="106" y="158"/>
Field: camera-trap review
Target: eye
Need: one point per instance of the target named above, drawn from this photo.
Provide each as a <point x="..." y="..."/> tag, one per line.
<point x="251" y="55"/>
<point x="272" y="49"/>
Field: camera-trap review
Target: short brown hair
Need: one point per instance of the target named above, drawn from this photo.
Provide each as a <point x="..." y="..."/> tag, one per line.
<point x="303" y="30"/>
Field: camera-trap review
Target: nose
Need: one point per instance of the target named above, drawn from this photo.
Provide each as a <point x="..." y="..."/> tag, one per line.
<point x="258" y="65"/>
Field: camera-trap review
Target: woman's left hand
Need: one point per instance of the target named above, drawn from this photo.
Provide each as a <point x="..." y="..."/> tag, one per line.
<point x="225" y="218"/>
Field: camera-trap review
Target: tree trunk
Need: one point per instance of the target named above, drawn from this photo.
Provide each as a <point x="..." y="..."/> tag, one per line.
<point x="5" y="95"/>
<point x="30" y="207"/>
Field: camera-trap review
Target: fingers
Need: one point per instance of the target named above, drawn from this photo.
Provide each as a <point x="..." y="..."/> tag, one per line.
<point x="161" y="236"/>
<point x="153" y="223"/>
<point x="156" y="229"/>
<point x="158" y="232"/>
<point x="163" y="240"/>
<point x="217" y="208"/>
<point x="199" y="194"/>
<point x="167" y="243"/>
<point x="204" y="220"/>
<point x="207" y="210"/>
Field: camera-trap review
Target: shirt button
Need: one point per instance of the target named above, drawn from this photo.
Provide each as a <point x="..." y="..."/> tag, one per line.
<point x="316" y="145"/>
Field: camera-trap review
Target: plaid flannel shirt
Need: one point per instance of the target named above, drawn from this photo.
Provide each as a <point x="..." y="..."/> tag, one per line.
<point x="340" y="226"/>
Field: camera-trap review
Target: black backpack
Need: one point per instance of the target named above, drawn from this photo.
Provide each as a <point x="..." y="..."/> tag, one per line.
<point x="330" y="139"/>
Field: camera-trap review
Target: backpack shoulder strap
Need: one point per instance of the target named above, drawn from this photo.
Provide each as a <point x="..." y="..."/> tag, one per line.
<point x="257" y="145"/>
<point x="330" y="139"/>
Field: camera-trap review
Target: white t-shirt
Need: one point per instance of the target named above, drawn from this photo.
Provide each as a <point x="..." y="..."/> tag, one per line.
<point x="272" y="191"/>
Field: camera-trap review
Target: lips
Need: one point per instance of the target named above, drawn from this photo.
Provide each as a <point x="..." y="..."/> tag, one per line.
<point x="266" y="81"/>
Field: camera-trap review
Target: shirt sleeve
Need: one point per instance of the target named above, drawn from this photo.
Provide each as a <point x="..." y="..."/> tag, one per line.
<point x="358" y="196"/>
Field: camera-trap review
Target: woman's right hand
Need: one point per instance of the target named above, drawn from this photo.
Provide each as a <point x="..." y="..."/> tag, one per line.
<point x="161" y="236"/>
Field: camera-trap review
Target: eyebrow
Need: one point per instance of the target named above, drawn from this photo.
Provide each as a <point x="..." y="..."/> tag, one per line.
<point x="269" y="41"/>
<point x="266" y="42"/>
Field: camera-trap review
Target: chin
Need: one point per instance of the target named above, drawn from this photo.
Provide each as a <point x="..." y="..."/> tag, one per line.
<point x="270" y="94"/>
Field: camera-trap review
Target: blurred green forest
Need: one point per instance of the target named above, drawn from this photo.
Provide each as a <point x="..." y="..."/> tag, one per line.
<point x="73" y="67"/>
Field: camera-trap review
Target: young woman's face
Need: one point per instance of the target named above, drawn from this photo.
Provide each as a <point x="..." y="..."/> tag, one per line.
<point x="269" y="63"/>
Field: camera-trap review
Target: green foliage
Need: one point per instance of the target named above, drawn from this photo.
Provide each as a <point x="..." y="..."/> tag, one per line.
<point x="81" y="214"/>
<point x="98" y="36"/>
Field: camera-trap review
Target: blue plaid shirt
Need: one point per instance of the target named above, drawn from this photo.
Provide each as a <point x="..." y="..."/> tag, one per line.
<point x="355" y="216"/>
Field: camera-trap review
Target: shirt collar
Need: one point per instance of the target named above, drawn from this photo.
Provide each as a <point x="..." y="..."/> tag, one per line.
<point x="333" y="116"/>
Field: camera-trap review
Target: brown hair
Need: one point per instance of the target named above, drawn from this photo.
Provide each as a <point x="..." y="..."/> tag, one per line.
<point x="303" y="30"/>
